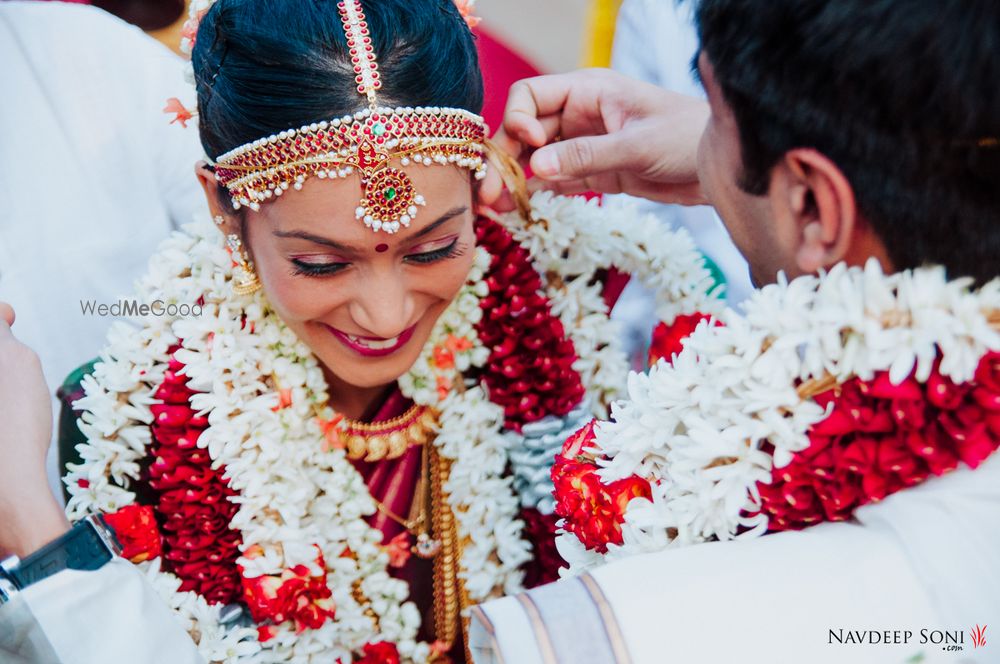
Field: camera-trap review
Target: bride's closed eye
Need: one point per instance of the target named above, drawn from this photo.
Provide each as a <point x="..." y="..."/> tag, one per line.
<point x="431" y="252"/>
<point x="427" y="253"/>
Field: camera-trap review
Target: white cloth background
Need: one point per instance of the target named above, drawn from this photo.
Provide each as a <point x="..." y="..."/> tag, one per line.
<point x="655" y="41"/>
<point x="92" y="175"/>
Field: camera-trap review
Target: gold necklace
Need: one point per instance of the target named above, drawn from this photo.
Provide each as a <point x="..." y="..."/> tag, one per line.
<point x="389" y="439"/>
<point x="426" y="547"/>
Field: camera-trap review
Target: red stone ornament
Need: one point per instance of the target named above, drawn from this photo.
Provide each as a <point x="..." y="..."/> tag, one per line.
<point x="364" y="143"/>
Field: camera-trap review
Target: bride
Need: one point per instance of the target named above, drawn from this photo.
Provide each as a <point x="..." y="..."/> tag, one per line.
<point x="333" y="433"/>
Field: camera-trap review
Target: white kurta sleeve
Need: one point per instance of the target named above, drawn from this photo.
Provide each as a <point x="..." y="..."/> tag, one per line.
<point x="906" y="582"/>
<point x="110" y="616"/>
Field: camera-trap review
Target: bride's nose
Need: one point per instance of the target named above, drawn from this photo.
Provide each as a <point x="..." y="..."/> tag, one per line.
<point x="384" y="306"/>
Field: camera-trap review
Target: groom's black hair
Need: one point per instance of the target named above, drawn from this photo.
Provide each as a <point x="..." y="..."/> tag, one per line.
<point x="903" y="95"/>
<point x="263" y="66"/>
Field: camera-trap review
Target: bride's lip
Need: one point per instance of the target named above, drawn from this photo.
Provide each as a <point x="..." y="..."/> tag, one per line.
<point x="373" y="346"/>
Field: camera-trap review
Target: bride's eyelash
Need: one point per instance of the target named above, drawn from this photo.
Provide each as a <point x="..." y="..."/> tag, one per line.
<point x="316" y="269"/>
<point x="453" y="250"/>
<point x="302" y="268"/>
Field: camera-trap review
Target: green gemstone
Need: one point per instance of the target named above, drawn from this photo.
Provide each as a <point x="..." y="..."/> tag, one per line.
<point x="389" y="193"/>
<point x="378" y="129"/>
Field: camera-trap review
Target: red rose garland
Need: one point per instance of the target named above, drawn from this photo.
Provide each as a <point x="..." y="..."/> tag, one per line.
<point x="880" y="438"/>
<point x="668" y="340"/>
<point x="592" y="510"/>
<point x="530" y="370"/>
<point x="192" y="498"/>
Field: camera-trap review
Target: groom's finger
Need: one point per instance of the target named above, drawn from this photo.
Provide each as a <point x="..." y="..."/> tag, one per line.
<point x="581" y="158"/>
<point x="530" y="100"/>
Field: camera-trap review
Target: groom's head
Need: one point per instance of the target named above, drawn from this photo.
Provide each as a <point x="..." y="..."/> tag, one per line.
<point x="854" y="128"/>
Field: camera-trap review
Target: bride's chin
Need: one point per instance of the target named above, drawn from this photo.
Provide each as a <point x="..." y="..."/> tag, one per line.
<point x="365" y="372"/>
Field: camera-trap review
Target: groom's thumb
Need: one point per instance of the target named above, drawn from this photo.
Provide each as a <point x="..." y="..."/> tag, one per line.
<point x="579" y="158"/>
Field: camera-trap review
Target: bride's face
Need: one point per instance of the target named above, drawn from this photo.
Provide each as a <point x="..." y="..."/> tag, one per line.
<point x="364" y="302"/>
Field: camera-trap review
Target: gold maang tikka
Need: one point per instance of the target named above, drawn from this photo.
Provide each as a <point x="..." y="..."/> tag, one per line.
<point x="367" y="142"/>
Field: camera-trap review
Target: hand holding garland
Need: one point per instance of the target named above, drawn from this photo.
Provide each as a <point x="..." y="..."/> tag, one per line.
<point x="597" y="130"/>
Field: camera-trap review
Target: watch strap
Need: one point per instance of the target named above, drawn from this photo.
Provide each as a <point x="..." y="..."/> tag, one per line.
<point x="88" y="545"/>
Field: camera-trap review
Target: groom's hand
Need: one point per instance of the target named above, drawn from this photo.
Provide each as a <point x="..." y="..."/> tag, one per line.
<point x="596" y="130"/>
<point x="29" y="514"/>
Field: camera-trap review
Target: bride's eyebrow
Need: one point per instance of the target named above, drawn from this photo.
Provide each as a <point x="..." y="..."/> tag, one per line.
<point x="430" y="228"/>
<point x="319" y="239"/>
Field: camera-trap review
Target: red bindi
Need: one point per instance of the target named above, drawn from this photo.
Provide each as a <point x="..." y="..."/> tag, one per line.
<point x="382" y="248"/>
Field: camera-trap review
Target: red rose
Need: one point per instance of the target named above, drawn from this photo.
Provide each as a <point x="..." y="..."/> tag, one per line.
<point x="592" y="510"/>
<point x="137" y="532"/>
<point x="881" y="437"/>
<point x="585" y="437"/>
<point x="987" y="391"/>
<point x="988" y="372"/>
<point x="668" y="340"/>
<point x="530" y="370"/>
<point x="266" y="632"/>
<point x="297" y="594"/>
<point x="382" y="652"/>
<point x="191" y="497"/>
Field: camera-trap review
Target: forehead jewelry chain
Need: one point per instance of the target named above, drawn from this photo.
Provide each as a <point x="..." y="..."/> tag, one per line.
<point x="388" y="193"/>
<point x="367" y="143"/>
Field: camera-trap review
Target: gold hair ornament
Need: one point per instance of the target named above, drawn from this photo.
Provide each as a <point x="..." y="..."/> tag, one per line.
<point x="365" y="143"/>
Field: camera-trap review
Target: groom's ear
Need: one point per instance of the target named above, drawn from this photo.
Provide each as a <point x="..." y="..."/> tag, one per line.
<point x="814" y="201"/>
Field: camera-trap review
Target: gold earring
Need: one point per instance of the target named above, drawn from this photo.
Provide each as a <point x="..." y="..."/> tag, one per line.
<point x="245" y="280"/>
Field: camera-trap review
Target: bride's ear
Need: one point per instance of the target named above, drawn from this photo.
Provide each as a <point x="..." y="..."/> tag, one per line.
<point x="217" y="207"/>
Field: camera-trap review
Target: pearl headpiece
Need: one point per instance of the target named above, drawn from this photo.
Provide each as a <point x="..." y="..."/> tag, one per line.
<point x="366" y="142"/>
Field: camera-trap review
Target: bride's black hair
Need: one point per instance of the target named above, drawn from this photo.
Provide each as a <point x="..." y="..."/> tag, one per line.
<point x="263" y="66"/>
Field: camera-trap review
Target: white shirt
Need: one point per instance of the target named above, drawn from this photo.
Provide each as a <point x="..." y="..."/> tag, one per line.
<point x="655" y="41"/>
<point x="92" y="175"/>
<point x="924" y="560"/>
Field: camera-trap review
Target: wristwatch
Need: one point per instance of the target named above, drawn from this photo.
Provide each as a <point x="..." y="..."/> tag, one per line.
<point x="89" y="545"/>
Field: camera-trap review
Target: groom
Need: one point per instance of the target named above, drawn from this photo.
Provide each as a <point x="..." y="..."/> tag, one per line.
<point x="834" y="132"/>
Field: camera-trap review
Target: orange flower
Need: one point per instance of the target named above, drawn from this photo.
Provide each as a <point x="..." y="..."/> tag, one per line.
<point x="465" y="8"/>
<point x="398" y="549"/>
<point x="255" y="551"/>
<point x="284" y="399"/>
<point x="438" y="650"/>
<point x="331" y="433"/>
<point x="443" y="358"/>
<point x="457" y="344"/>
<point x="190" y="28"/>
<point x="181" y="114"/>
<point x="443" y="386"/>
